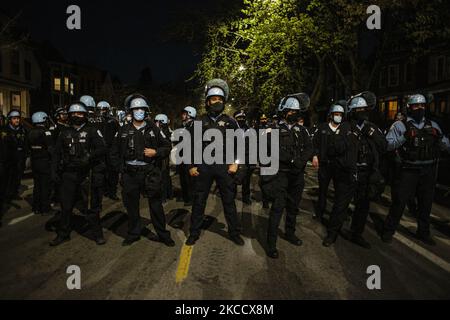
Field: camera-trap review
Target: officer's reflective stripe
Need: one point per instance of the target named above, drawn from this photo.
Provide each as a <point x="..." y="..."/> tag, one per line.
<point x="183" y="265"/>
<point x="36" y="147"/>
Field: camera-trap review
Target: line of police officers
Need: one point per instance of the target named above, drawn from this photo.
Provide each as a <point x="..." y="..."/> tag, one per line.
<point x="83" y="154"/>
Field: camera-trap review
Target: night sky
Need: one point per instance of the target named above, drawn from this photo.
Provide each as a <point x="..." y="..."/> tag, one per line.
<point x="122" y="37"/>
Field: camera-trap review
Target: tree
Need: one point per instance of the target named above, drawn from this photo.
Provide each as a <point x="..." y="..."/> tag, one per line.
<point x="285" y="46"/>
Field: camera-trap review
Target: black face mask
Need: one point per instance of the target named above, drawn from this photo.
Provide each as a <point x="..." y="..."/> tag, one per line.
<point x="216" y="109"/>
<point x="241" y="123"/>
<point x="417" y="114"/>
<point x="292" y="118"/>
<point x="78" y="121"/>
<point x="361" y="116"/>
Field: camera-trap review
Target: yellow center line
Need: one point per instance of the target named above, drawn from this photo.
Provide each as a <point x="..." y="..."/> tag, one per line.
<point x="183" y="265"/>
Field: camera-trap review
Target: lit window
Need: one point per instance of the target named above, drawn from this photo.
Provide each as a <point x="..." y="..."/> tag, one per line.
<point x="66" y="84"/>
<point x="71" y="89"/>
<point x="15" y="97"/>
<point x="392" y="109"/>
<point x="57" y="84"/>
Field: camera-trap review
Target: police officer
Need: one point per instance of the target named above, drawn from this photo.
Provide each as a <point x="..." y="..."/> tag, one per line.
<point x="17" y="149"/>
<point x="325" y="153"/>
<point x="2" y="173"/>
<point x="41" y="145"/>
<point x="98" y="174"/>
<point x="241" y="119"/>
<point x="162" y="122"/>
<point x="418" y="142"/>
<point x="89" y="102"/>
<point x="365" y="144"/>
<point x="216" y="95"/>
<point x="108" y="127"/>
<point x="263" y="126"/>
<point x="137" y="152"/>
<point x="286" y="187"/>
<point x="186" y="181"/>
<point x="78" y="149"/>
<point x="61" y="118"/>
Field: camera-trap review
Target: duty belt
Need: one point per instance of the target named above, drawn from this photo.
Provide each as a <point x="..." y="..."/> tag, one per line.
<point x="136" y="169"/>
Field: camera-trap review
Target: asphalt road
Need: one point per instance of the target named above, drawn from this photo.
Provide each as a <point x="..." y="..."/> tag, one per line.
<point x="215" y="268"/>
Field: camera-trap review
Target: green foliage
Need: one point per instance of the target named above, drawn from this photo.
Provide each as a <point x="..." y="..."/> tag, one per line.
<point x="276" y="47"/>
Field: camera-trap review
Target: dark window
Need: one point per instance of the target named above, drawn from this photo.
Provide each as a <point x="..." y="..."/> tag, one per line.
<point x="15" y="62"/>
<point x="408" y="72"/>
<point x="393" y="75"/>
<point x="27" y="70"/>
<point x="1" y="62"/>
<point x="383" y="77"/>
<point x="440" y="65"/>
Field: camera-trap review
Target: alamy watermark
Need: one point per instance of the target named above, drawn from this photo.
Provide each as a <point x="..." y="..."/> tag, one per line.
<point x="253" y="151"/>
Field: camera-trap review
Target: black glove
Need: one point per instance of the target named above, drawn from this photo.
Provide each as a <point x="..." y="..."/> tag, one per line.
<point x="299" y="164"/>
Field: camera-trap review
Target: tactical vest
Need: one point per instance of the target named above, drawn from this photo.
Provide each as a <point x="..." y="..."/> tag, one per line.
<point x="134" y="141"/>
<point x="222" y="123"/>
<point x="365" y="154"/>
<point x="76" y="145"/>
<point x="292" y="141"/>
<point x="38" y="143"/>
<point x="421" y="144"/>
<point x="17" y="139"/>
<point x="327" y="144"/>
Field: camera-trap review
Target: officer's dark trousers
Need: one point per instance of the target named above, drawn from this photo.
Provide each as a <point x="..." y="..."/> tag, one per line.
<point x="2" y="194"/>
<point x="98" y="182"/>
<point x="75" y="185"/>
<point x="186" y="183"/>
<point x="14" y="173"/>
<point x="112" y="178"/>
<point x="246" y="192"/>
<point x="412" y="182"/>
<point x="362" y="203"/>
<point x="219" y="174"/>
<point x="326" y="173"/>
<point x="288" y="195"/>
<point x="133" y="184"/>
<point x="42" y="185"/>
<point x="344" y="191"/>
<point x="166" y="184"/>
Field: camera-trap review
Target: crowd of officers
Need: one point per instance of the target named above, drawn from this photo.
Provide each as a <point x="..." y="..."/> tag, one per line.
<point x="84" y="153"/>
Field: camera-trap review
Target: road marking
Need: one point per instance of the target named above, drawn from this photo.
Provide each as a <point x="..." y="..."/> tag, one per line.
<point x="20" y="219"/>
<point x="424" y="252"/>
<point x="183" y="265"/>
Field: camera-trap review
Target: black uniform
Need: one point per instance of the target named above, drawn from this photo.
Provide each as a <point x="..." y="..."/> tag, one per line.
<point x="77" y="152"/>
<point x="360" y="164"/>
<point x="328" y="145"/>
<point x="55" y="131"/>
<point x="166" y="185"/>
<point x="286" y="187"/>
<point x="218" y="173"/>
<point x="141" y="174"/>
<point x="17" y="149"/>
<point x="265" y="197"/>
<point x="416" y="174"/>
<point x="98" y="176"/>
<point x="248" y="170"/>
<point x="186" y="180"/>
<point x="2" y="172"/>
<point x="109" y="127"/>
<point x="41" y="146"/>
